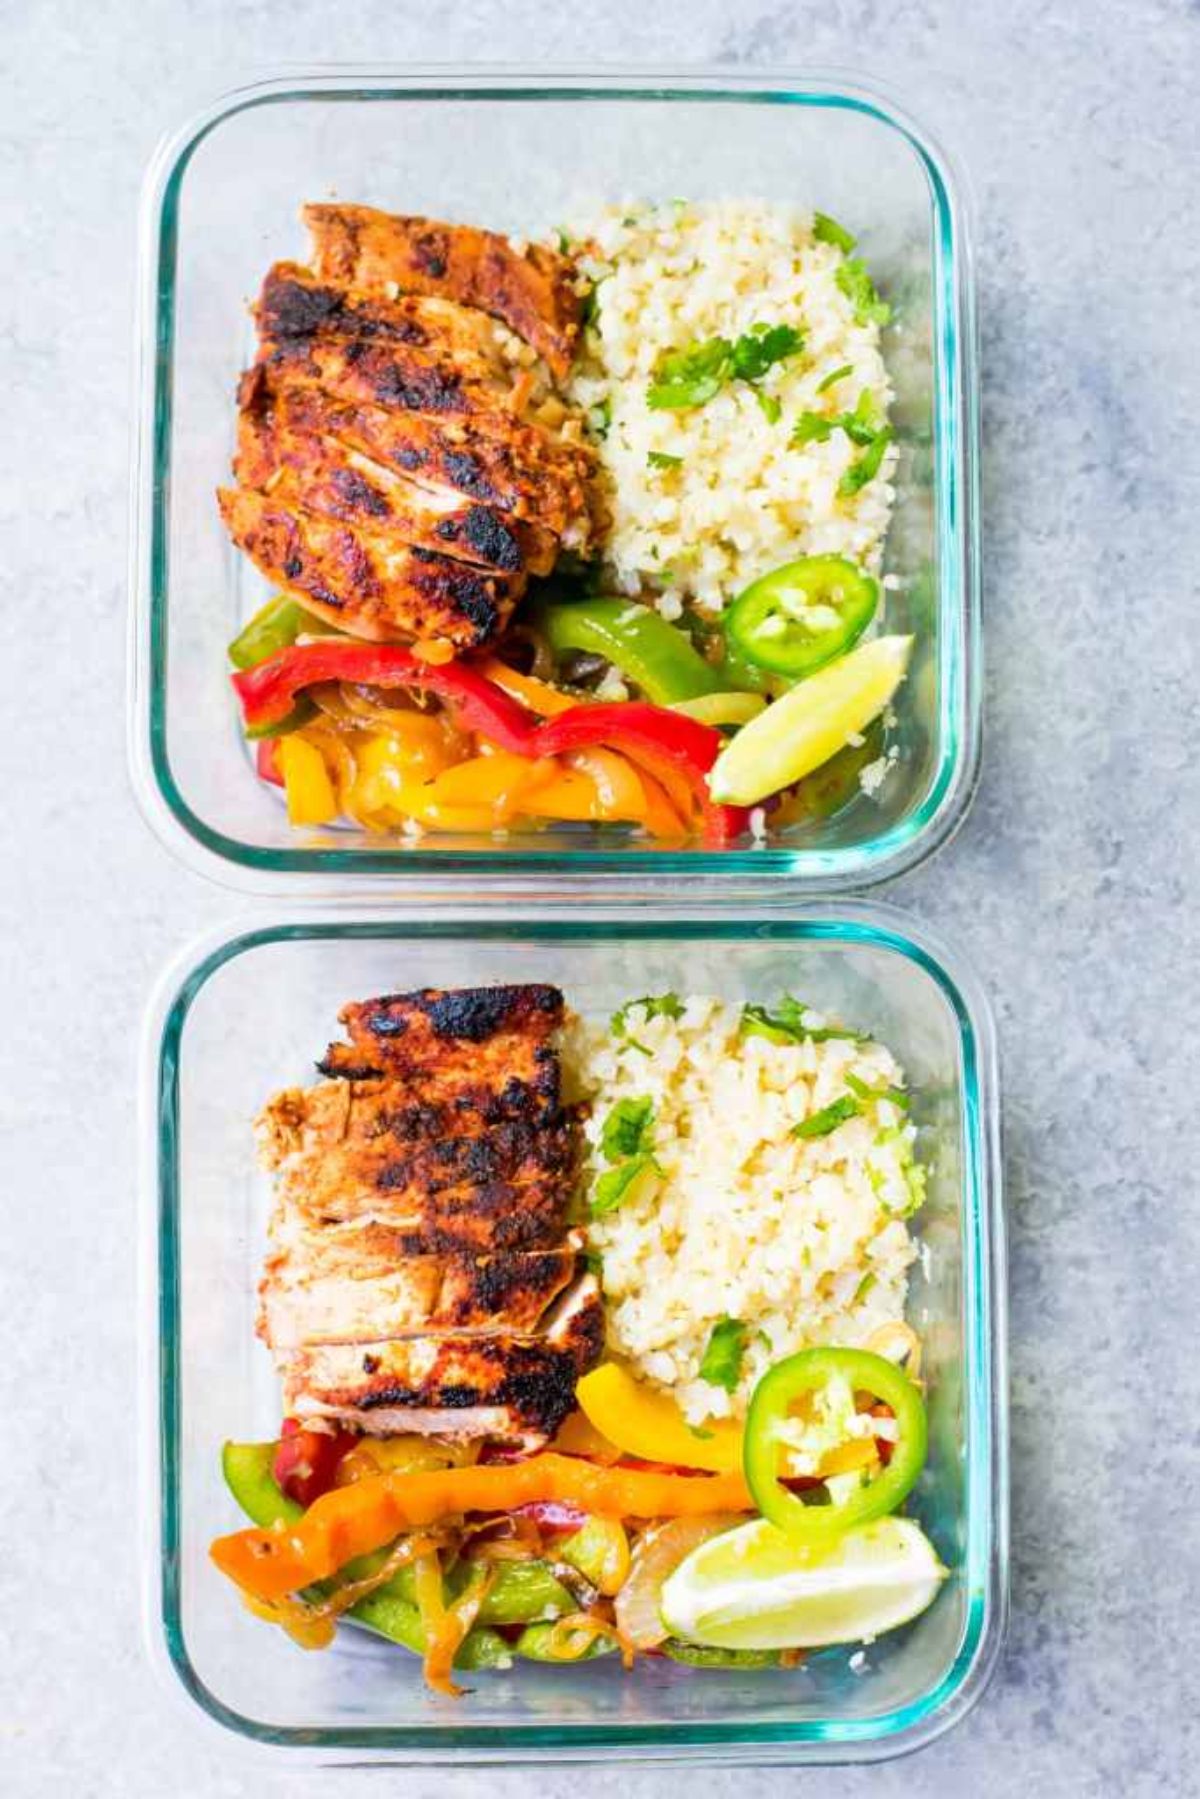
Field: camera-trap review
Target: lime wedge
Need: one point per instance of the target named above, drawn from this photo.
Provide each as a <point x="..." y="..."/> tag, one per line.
<point x="810" y="723"/>
<point x="752" y="1588"/>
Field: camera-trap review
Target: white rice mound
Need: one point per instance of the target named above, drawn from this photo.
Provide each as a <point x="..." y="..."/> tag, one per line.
<point x="804" y="1241"/>
<point x="743" y="500"/>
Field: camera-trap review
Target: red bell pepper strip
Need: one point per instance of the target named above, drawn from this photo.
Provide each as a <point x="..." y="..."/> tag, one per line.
<point x="268" y="691"/>
<point x="266" y="761"/>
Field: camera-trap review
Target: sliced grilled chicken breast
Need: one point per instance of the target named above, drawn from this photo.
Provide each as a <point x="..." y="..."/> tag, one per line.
<point x="423" y="1275"/>
<point x="377" y="253"/>
<point x="367" y="581"/>
<point x="322" y="475"/>
<point x="518" y="1388"/>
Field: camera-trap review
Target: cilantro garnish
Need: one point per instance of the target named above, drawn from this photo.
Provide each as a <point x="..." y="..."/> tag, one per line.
<point x="863" y="426"/>
<point x="828" y="1118"/>
<point x="627" y="1129"/>
<point x="613" y="1187"/>
<point x="721" y="1364"/>
<point x="599" y="418"/>
<point x="855" y="282"/>
<point x="834" y="376"/>
<point x="768" y="405"/>
<point x="786" y="1024"/>
<point x="867" y="466"/>
<point x="896" y="1096"/>
<point x="864" y="1286"/>
<point x="828" y="231"/>
<point x="691" y="376"/>
<point x="660" y="459"/>
<point x="655" y="1005"/>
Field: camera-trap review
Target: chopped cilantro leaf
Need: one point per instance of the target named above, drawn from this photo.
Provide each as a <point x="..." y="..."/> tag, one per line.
<point x="864" y="1286"/>
<point x="828" y="231"/>
<point x="690" y="376"/>
<point x="702" y="1436"/>
<point x="759" y="350"/>
<point x="721" y="1365"/>
<point x="828" y="1118"/>
<point x="855" y="282"/>
<point x="660" y="459"/>
<point x="787" y="1024"/>
<point x="867" y="466"/>
<point x="655" y="1005"/>
<point x="894" y="1094"/>
<point x="627" y="1130"/>
<point x="599" y="418"/>
<point x="613" y="1187"/>
<point x="564" y="242"/>
<point x="768" y="405"/>
<point x="834" y="376"/>
<point x="812" y="427"/>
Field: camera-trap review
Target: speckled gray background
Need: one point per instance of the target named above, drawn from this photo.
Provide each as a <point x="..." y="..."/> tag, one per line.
<point x="1072" y="886"/>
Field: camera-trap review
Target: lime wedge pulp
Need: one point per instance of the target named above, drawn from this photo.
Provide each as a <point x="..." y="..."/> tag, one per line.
<point x="810" y="723"/>
<point x="752" y="1588"/>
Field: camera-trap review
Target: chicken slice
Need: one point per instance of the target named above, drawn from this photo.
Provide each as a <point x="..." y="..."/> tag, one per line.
<point x="295" y="303"/>
<point x="321" y="475"/>
<point x="516" y="1388"/>
<point x="377" y="253"/>
<point x="349" y="1285"/>
<point x="476" y="1034"/>
<point x="366" y="581"/>
<point x="497" y="461"/>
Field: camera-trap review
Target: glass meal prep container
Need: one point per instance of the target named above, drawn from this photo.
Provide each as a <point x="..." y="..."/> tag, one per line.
<point x="517" y="152"/>
<point x="238" y="1017"/>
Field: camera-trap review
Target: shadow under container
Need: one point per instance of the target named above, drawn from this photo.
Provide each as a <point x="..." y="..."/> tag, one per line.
<point x="519" y="153"/>
<point x="241" y="1017"/>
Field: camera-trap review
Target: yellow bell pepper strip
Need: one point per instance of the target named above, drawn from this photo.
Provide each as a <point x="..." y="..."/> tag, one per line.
<point x="645" y="647"/>
<point x="352" y="1521"/>
<point x="311" y="797"/>
<point x="539" y="696"/>
<point x="790" y="1382"/>
<point x="648" y="1424"/>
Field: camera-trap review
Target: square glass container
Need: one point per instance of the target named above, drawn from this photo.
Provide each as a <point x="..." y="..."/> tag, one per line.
<point x="519" y="152"/>
<point x="239" y="1017"/>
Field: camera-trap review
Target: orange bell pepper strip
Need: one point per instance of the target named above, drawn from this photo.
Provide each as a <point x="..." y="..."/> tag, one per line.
<point x="539" y="696"/>
<point x="352" y="1521"/>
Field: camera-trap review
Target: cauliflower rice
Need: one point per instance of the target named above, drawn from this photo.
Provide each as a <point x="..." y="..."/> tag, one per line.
<point x="803" y="1240"/>
<point x="743" y="499"/>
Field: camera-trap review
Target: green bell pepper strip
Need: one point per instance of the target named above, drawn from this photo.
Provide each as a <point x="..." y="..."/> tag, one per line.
<point x="659" y="659"/>
<point x="820" y="1526"/>
<point x="701" y="1655"/>
<point x="543" y="1643"/>
<point x="803" y="615"/>
<point x="389" y="1610"/>
<point x="273" y="627"/>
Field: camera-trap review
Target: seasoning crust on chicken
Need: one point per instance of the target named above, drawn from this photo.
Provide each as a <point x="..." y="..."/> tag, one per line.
<point x="422" y="1264"/>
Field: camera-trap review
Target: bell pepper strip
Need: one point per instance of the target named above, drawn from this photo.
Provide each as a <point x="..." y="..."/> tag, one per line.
<point x="266" y="761"/>
<point x="664" y="739"/>
<point x="820" y="1526"/>
<point x="273" y="627"/>
<point x="646" y="648"/>
<point x="539" y="696"/>
<point x="306" y="1461"/>
<point x="268" y="690"/>
<point x="311" y="796"/>
<point x="647" y="1423"/>
<point x="668" y="741"/>
<point x="803" y="615"/>
<point x="352" y="1521"/>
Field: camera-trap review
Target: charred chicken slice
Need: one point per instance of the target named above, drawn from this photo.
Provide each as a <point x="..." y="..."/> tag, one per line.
<point x="532" y="290"/>
<point x="515" y="1387"/>
<point x="367" y="580"/>
<point x="423" y="1275"/>
<point x="317" y="472"/>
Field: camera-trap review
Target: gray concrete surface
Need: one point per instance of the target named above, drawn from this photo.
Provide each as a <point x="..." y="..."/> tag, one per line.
<point x="1072" y="886"/>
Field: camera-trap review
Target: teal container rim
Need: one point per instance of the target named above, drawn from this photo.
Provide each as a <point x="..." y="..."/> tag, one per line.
<point x="985" y="1572"/>
<point x="891" y="852"/>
